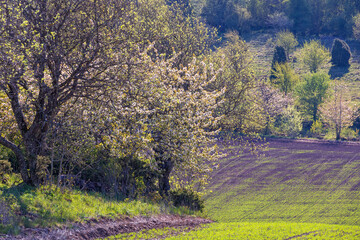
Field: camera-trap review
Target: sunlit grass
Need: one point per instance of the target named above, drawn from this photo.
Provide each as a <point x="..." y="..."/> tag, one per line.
<point x="288" y="188"/>
<point x="280" y="230"/>
<point x="49" y="205"/>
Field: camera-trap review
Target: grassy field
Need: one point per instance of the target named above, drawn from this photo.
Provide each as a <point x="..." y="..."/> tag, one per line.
<point x="251" y="231"/>
<point x="293" y="182"/>
<point x="297" y="189"/>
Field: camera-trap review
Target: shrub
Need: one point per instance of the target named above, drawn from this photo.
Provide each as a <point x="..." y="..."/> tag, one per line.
<point x="284" y="77"/>
<point x="317" y="129"/>
<point x="340" y="53"/>
<point x="288" y="123"/>
<point x="187" y="198"/>
<point x="287" y="40"/>
<point x="314" y="55"/>
<point x="350" y="134"/>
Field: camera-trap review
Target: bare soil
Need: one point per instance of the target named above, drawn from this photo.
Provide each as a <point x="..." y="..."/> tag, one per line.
<point x="102" y="228"/>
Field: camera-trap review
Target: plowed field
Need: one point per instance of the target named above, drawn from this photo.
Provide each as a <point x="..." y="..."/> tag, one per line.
<point x="291" y="181"/>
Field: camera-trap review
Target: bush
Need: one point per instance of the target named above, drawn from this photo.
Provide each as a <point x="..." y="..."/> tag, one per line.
<point x="340" y="53"/>
<point x="288" y="123"/>
<point x="286" y="40"/>
<point x="317" y="129"/>
<point x="314" y="55"/>
<point x="350" y="134"/>
<point x="284" y="77"/>
<point x="5" y="169"/>
<point x="187" y="198"/>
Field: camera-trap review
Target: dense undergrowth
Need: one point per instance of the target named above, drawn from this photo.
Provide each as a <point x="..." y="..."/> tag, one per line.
<point x="49" y="206"/>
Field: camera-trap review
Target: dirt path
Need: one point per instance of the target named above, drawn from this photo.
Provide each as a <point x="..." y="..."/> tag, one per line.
<point x="105" y="227"/>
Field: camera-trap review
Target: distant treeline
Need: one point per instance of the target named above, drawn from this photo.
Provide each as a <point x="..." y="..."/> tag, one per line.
<point x="301" y="16"/>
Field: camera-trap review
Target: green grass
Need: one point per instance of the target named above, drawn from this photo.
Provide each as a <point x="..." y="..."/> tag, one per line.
<point x="292" y="192"/>
<point x="288" y="188"/>
<point x="248" y="230"/>
<point x="258" y="231"/>
<point x="150" y="234"/>
<point x="50" y="206"/>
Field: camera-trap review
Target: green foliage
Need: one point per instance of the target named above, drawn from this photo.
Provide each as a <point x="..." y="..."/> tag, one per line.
<point x="312" y="92"/>
<point x="289" y="122"/>
<point x="287" y="40"/>
<point x="340" y="53"/>
<point x="356" y="27"/>
<point x="5" y="167"/>
<point x="300" y="14"/>
<point x="284" y="77"/>
<point x="5" y="170"/>
<point x="171" y="30"/>
<point x="132" y="81"/>
<point x="187" y="198"/>
<point x="237" y="80"/>
<point x="227" y="15"/>
<point x="350" y="134"/>
<point x="279" y="57"/>
<point x="313" y="55"/>
<point x="317" y="129"/>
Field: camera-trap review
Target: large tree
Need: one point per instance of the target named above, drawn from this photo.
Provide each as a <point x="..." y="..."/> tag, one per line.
<point x="312" y="92"/>
<point x="239" y="103"/>
<point x="50" y="52"/>
<point x="164" y="116"/>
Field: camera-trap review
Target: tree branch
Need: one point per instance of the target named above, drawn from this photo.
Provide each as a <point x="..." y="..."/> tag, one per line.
<point x="6" y="143"/>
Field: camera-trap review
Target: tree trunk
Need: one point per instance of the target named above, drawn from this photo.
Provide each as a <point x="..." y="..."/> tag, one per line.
<point x="164" y="179"/>
<point x="338" y="132"/>
<point x="34" y="141"/>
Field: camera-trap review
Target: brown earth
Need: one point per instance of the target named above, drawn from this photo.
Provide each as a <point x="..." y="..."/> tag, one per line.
<point x="102" y="228"/>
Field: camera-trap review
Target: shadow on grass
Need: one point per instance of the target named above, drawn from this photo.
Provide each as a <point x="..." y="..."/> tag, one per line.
<point x="16" y="192"/>
<point x="338" y="72"/>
